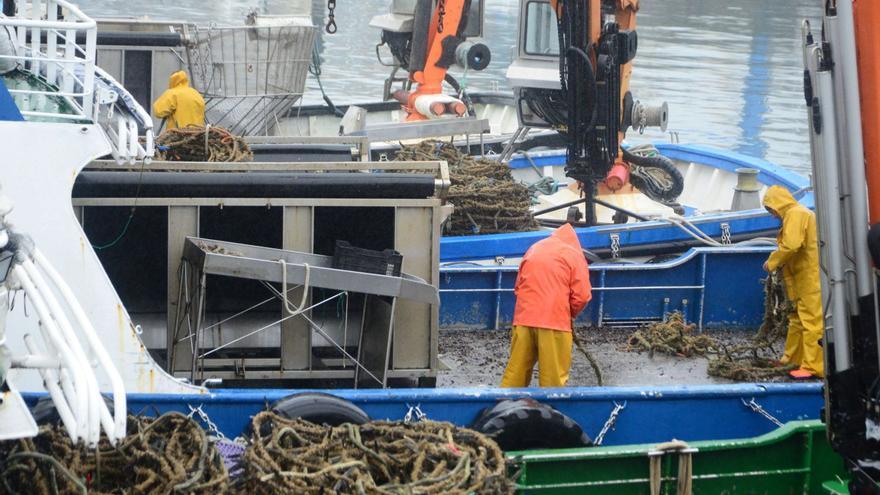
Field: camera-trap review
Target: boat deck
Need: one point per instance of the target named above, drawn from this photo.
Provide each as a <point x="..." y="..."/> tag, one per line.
<point x="477" y="359"/>
<point x="38" y="99"/>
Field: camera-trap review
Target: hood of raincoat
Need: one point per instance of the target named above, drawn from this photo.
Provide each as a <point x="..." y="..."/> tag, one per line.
<point x="179" y="78"/>
<point x="553" y="283"/>
<point x="779" y="199"/>
<point x="567" y="235"/>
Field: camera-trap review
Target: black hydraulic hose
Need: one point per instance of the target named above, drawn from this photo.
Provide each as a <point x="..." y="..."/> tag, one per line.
<point x="591" y="77"/>
<point x="464" y="96"/>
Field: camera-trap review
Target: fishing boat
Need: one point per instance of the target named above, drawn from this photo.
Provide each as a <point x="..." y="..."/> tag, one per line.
<point x="152" y="50"/>
<point x="88" y="332"/>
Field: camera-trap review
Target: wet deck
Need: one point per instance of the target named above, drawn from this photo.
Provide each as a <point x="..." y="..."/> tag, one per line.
<point x="478" y="358"/>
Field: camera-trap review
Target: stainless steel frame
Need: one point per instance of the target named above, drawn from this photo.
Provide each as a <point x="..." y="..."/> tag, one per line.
<point x="416" y="236"/>
<point x="211" y="257"/>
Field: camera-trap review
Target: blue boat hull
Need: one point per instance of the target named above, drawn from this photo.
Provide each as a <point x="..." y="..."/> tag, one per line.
<point x="712" y="287"/>
<point x="642" y="235"/>
<point x="652" y="414"/>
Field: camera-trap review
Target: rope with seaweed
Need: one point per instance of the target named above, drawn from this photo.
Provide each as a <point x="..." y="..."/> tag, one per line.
<point x="741" y="362"/>
<point x="168" y="454"/>
<point x="295" y="456"/>
<point x="487" y="200"/>
<point x="202" y="144"/>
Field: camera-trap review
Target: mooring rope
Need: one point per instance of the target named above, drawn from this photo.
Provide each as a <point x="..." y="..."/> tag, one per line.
<point x="741" y="362"/>
<point x="295" y="456"/>
<point x="168" y="454"/>
<point x="202" y="144"/>
<point x="486" y="197"/>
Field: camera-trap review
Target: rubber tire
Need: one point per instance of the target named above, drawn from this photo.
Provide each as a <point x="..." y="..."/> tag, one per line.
<point x="526" y="424"/>
<point x="320" y="408"/>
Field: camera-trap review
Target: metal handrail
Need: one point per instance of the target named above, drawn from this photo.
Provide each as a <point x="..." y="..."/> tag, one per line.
<point x="69" y="67"/>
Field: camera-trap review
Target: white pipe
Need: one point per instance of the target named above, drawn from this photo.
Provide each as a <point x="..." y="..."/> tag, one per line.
<point x="35" y="39"/>
<point x="832" y="31"/>
<point x="51" y="43"/>
<point x="50" y="381"/>
<point x="35" y="361"/>
<point x="80" y="385"/>
<point x="133" y="144"/>
<point x="847" y="68"/>
<point x="832" y="207"/>
<point x="119" y="400"/>
<point x="88" y="103"/>
<point x="63" y="377"/>
<point x="94" y="399"/>
<point x="815" y="149"/>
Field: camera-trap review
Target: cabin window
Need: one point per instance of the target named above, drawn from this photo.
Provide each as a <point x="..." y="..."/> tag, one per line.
<point x="474" y="27"/>
<point x="138" y="74"/>
<point x="541" y="36"/>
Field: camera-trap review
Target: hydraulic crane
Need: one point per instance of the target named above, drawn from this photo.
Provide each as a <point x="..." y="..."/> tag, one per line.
<point x="842" y="94"/>
<point x="572" y="74"/>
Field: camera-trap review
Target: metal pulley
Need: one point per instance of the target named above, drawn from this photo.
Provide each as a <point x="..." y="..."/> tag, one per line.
<point x="644" y="116"/>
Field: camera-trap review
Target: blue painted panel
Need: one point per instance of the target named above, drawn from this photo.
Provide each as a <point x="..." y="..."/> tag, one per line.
<point x="652" y="414"/>
<point x="8" y="109"/>
<point x="633" y="292"/>
<point x="734" y="290"/>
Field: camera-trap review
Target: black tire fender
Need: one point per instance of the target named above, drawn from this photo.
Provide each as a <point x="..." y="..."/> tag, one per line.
<point x="525" y="424"/>
<point x="45" y="412"/>
<point x="320" y="408"/>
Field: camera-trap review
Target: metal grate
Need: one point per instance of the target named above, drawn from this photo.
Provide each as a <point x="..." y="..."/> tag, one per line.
<point x="250" y="75"/>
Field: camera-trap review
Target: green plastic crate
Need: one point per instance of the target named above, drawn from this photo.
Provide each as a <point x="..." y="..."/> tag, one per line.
<point x="794" y="459"/>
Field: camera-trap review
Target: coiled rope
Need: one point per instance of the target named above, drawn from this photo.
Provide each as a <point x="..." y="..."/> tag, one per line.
<point x="487" y="200"/>
<point x="741" y="362"/>
<point x="295" y="456"/>
<point x="168" y="454"/>
<point x="202" y="144"/>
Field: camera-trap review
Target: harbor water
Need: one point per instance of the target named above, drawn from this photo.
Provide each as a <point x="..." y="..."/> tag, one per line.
<point x="730" y="71"/>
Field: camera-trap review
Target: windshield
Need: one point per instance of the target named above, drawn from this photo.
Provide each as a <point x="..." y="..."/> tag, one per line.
<point x="541" y="33"/>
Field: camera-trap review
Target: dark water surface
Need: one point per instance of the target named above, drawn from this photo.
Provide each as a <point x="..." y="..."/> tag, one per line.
<point x="730" y="71"/>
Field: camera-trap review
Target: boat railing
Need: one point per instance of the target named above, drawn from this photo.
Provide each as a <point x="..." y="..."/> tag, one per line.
<point x="55" y="42"/>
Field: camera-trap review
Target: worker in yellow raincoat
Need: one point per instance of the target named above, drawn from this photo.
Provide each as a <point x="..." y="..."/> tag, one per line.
<point x="798" y="256"/>
<point x="180" y="105"/>
<point x="552" y="287"/>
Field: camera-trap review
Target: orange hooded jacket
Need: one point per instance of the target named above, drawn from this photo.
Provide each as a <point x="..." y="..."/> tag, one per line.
<point x="553" y="284"/>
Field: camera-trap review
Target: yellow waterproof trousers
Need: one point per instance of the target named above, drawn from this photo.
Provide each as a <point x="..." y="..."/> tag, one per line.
<point x="805" y="326"/>
<point x="550" y="348"/>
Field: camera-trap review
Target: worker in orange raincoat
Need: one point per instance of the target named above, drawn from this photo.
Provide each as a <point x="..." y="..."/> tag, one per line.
<point x="798" y="256"/>
<point x="552" y="287"/>
<point x="180" y="105"/>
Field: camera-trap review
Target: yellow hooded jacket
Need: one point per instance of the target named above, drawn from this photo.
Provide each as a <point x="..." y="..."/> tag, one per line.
<point x="180" y="104"/>
<point x="798" y="251"/>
